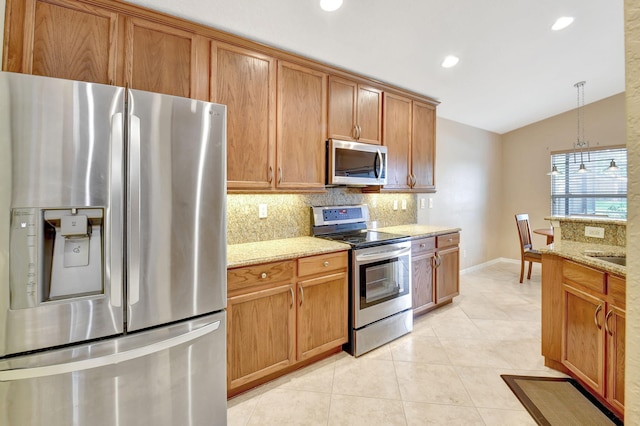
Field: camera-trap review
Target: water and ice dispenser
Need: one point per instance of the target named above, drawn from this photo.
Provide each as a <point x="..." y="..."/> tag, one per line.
<point x="57" y="254"/>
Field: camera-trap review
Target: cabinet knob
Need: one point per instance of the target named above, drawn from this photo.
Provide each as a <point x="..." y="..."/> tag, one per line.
<point x="263" y="275"/>
<point x="450" y="240"/>
<point x="423" y="245"/>
<point x="326" y="263"/>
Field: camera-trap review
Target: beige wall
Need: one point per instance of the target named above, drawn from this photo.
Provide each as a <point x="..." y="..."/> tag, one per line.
<point x="468" y="179"/>
<point x="632" y="48"/>
<point x="3" y="5"/>
<point x="526" y="161"/>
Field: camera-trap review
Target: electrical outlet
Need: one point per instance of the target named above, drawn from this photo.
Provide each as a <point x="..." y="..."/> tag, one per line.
<point x="423" y="203"/>
<point x="592" y="231"/>
<point x="262" y="211"/>
<point x="430" y="203"/>
<point x="395" y="204"/>
<point x="404" y="204"/>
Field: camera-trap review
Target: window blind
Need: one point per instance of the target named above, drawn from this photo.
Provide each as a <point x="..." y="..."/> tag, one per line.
<point x="597" y="192"/>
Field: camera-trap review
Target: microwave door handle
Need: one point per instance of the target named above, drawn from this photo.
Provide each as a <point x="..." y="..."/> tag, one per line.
<point x="379" y="174"/>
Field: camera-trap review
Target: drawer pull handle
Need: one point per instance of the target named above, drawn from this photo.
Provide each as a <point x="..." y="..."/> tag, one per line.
<point x="263" y="275"/>
<point x="423" y="245"/>
<point x="326" y="263"/>
<point x="292" y="297"/>
<point x="595" y="316"/>
<point x="301" y="295"/>
<point x="450" y="240"/>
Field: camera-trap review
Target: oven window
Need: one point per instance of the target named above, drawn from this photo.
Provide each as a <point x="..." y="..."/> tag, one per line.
<point x="384" y="280"/>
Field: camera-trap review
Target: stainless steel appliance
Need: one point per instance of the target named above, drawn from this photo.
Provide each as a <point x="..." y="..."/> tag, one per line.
<point x="112" y="255"/>
<point x="355" y="163"/>
<point x="380" y="276"/>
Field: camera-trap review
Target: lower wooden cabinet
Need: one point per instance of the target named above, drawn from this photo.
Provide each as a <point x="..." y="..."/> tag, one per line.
<point x="435" y="271"/>
<point x="283" y="313"/>
<point x="593" y="330"/>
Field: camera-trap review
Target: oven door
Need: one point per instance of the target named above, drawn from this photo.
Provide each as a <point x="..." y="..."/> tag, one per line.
<point x="381" y="282"/>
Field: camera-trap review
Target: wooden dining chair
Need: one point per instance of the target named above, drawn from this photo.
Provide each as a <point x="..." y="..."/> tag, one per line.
<point x="527" y="253"/>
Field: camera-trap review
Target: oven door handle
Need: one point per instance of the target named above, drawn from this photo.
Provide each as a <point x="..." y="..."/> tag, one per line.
<point x="381" y="255"/>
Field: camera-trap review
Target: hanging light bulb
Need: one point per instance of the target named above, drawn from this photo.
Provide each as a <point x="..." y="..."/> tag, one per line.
<point x="554" y="171"/>
<point x="582" y="168"/>
<point x="330" y="5"/>
<point x="613" y="167"/>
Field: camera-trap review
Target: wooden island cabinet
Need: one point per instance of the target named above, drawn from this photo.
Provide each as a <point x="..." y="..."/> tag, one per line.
<point x="282" y="315"/>
<point x="583" y="326"/>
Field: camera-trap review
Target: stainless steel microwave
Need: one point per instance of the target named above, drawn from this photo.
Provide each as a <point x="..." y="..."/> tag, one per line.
<point x="355" y="163"/>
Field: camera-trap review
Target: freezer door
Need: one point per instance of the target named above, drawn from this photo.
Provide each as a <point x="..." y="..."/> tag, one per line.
<point x="177" y="209"/>
<point x="169" y="376"/>
<point x="61" y="212"/>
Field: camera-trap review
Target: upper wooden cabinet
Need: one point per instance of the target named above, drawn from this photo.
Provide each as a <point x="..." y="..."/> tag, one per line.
<point x="63" y="39"/>
<point x="409" y="132"/>
<point x="355" y="111"/>
<point x="301" y="128"/>
<point x="162" y="59"/>
<point x="245" y="81"/>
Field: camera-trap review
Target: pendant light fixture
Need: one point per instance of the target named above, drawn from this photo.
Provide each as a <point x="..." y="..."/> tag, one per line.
<point x="554" y="171"/>
<point x="581" y="143"/>
<point x="613" y="167"/>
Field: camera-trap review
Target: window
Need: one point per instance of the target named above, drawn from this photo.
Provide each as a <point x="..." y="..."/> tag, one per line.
<point x="596" y="192"/>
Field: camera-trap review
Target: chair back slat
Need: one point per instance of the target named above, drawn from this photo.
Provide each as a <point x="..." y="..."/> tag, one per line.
<point x="524" y="230"/>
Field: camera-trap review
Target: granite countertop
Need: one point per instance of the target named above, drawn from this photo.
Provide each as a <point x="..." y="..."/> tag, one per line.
<point x="587" y="219"/>
<point x="275" y="250"/>
<point x="416" y="231"/>
<point x="576" y="251"/>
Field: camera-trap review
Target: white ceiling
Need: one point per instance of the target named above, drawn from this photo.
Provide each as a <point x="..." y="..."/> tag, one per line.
<point x="513" y="69"/>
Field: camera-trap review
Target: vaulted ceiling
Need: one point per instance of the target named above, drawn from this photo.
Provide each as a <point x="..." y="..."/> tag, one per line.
<point x="513" y="70"/>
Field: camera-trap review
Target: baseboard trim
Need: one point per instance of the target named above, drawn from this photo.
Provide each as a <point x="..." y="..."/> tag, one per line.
<point x="489" y="263"/>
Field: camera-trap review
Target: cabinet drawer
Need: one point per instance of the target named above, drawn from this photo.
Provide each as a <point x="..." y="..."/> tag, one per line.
<point x="422" y="245"/>
<point x="448" y="240"/>
<point x="268" y="273"/>
<point x="322" y="263"/>
<point x="583" y="275"/>
<point x="617" y="290"/>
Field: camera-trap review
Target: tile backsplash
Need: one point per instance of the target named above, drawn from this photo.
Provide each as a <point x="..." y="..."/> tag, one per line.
<point x="289" y="215"/>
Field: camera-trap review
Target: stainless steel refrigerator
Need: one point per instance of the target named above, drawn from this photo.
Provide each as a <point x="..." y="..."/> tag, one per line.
<point x="112" y="256"/>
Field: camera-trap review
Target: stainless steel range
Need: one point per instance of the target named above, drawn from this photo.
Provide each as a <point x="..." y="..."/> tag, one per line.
<point x="379" y="278"/>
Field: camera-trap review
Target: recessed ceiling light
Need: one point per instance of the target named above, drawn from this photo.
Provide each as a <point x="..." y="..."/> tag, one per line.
<point x="562" y="23"/>
<point x="330" y="5"/>
<point x="450" y="61"/>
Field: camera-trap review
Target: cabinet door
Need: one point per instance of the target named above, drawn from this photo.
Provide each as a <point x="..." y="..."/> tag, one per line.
<point x="422" y="281"/>
<point x="322" y="314"/>
<point x="583" y="336"/>
<point x="423" y="146"/>
<point x="301" y="128"/>
<point x="615" y="327"/>
<point x="245" y="81"/>
<point x="260" y="334"/>
<point x="162" y="59"/>
<point x="369" y="115"/>
<point x="62" y="39"/>
<point x="447" y="274"/>
<point x="342" y="108"/>
<point x="397" y="138"/>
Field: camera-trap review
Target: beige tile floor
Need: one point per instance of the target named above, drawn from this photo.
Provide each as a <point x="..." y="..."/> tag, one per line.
<point x="446" y="372"/>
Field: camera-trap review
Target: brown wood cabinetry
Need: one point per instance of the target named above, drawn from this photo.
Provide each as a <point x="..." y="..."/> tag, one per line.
<point x="409" y="132"/>
<point x="63" y="39"/>
<point x="355" y="111"/>
<point x="435" y="271"/>
<point x="300" y="152"/>
<point x="278" y="318"/>
<point x="245" y="81"/>
<point x="583" y="326"/>
<point x="279" y="114"/>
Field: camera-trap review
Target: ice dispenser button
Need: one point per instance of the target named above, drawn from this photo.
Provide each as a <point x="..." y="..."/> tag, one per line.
<point x="76" y="252"/>
<point x="73" y="225"/>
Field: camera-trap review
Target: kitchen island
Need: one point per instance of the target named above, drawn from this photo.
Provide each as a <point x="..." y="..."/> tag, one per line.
<point x="583" y="305"/>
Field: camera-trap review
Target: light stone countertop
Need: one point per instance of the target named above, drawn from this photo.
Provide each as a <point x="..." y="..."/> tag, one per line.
<point x="587" y="219"/>
<point x="574" y="250"/>
<point x="275" y="250"/>
<point x="417" y="231"/>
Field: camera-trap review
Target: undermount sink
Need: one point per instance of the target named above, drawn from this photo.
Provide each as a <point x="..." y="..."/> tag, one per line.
<point x="618" y="260"/>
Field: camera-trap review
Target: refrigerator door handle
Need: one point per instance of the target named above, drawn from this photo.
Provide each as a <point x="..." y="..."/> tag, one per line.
<point x="111" y="359"/>
<point x="117" y="139"/>
<point x="134" y="205"/>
